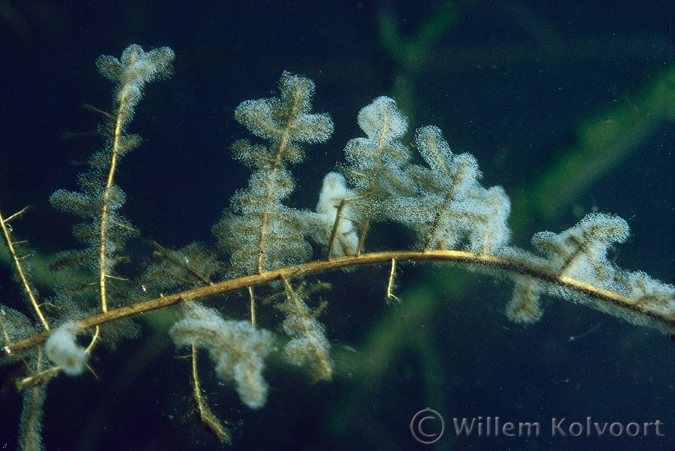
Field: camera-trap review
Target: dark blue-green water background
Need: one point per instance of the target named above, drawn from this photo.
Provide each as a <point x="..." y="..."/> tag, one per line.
<point x="512" y="83"/>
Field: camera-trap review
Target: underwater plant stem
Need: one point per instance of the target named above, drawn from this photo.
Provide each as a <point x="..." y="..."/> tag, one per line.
<point x="19" y="267"/>
<point x="498" y="264"/>
<point x="206" y="416"/>
<point x="278" y="164"/>
<point x="335" y="230"/>
<point x="103" y="266"/>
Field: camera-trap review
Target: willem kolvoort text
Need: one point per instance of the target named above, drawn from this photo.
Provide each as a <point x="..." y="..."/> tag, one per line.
<point x="559" y="427"/>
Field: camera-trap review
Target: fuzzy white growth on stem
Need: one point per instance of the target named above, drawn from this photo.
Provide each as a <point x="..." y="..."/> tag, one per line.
<point x="259" y="232"/>
<point x="237" y="349"/>
<point x="132" y="71"/>
<point x="64" y="352"/>
<point x="333" y="192"/>
<point x="376" y="162"/>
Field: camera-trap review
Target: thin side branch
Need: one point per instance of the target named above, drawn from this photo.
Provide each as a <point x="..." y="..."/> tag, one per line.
<point x="19" y="269"/>
<point x="392" y="282"/>
<point x="336" y="227"/>
<point x="210" y="422"/>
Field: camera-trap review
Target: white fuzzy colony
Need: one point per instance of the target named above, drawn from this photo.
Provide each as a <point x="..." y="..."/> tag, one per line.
<point x="64" y="352"/>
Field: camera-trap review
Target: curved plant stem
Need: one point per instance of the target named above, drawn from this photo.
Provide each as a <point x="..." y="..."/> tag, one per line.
<point x="489" y="262"/>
